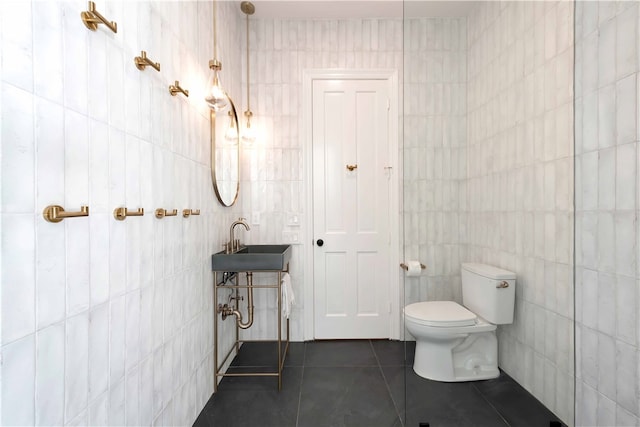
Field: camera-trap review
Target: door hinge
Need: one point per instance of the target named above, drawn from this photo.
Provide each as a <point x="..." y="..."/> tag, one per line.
<point x="388" y="104"/>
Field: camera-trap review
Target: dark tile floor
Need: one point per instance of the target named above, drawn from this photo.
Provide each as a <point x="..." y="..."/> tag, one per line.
<point x="361" y="383"/>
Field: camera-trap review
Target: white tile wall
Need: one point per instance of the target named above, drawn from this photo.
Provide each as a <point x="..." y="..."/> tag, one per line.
<point x="435" y="141"/>
<point x="280" y="50"/>
<point x="108" y="322"/>
<point x="607" y="72"/>
<point x="49" y="384"/>
<point x="520" y="184"/>
<point x="18" y="381"/>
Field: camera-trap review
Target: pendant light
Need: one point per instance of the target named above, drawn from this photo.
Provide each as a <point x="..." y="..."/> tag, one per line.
<point x="231" y="135"/>
<point x="216" y="97"/>
<point x="249" y="134"/>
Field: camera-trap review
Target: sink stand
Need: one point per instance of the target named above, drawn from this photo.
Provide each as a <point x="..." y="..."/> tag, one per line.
<point x="282" y="352"/>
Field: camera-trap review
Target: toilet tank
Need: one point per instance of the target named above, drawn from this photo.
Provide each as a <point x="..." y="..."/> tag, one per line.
<point x="489" y="292"/>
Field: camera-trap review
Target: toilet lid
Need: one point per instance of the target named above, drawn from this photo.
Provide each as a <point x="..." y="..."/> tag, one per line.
<point x="440" y="313"/>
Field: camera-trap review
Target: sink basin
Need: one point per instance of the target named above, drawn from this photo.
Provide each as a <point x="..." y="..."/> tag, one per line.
<point x="253" y="258"/>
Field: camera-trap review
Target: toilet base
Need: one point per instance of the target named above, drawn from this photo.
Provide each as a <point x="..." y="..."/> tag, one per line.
<point x="467" y="357"/>
<point x="462" y="375"/>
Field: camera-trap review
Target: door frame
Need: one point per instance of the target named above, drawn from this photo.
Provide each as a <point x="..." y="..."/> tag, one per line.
<point x="394" y="289"/>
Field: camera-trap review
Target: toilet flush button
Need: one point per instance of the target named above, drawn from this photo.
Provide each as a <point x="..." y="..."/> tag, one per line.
<point x="503" y="284"/>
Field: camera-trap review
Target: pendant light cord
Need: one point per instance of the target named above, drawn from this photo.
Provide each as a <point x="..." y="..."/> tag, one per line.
<point x="248" y="97"/>
<point x="215" y="31"/>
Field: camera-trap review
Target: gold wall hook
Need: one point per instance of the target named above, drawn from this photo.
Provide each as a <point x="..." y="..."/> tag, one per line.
<point x="121" y="213"/>
<point x="92" y="19"/>
<point x="188" y="212"/>
<point x="56" y="213"/>
<point x="161" y="213"/>
<point x="351" y="168"/>
<point x="175" y="88"/>
<point x="142" y="61"/>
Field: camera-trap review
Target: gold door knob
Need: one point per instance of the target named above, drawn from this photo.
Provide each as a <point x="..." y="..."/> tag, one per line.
<point x="351" y="168"/>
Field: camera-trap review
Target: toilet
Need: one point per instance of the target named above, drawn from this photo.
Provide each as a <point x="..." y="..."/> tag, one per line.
<point x="459" y="343"/>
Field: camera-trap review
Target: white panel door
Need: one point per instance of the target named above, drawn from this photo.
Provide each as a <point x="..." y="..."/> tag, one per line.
<point x="350" y="132"/>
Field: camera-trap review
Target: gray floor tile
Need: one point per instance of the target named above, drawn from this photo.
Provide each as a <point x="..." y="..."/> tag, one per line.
<point x="354" y="396"/>
<point x="340" y="353"/>
<point x="437" y="403"/>
<point x="266" y="354"/>
<point x="250" y="408"/>
<point x="514" y="403"/>
<point x="291" y="380"/>
<point x="393" y="353"/>
<point x="447" y="404"/>
<point x="254" y="401"/>
<point x="361" y="383"/>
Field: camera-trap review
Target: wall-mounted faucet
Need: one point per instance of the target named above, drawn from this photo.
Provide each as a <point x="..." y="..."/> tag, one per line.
<point x="233" y="244"/>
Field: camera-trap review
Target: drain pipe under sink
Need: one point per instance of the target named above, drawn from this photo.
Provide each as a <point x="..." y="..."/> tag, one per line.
<point x="226" y="310"/>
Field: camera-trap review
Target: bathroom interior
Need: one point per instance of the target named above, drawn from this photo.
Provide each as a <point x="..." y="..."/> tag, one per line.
<point x="512" y="141"/>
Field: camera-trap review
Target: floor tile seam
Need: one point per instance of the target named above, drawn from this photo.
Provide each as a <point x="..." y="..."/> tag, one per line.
<point x="395" y="405"/>
<point x="375" y="354"/>
<point x="299" y="398"/>
<point x="491" y="405"/>
<point x="304" y="355"/>
<point x="373" y="350"/>
<point x="273" y="366"/>
<point x="267" y="369"/>
<point x="386" y="383"/>
<point x="343" y="366"/>
<point x="304" y="359"/>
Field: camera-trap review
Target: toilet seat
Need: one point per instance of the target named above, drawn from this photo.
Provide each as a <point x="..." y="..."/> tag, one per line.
<point x="443" y="314"/>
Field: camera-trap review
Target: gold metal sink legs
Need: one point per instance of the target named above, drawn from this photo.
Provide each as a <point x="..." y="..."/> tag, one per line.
<point x="228" y="310"/>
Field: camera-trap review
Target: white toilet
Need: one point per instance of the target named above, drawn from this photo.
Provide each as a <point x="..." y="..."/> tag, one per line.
<point x="454" y="343"/>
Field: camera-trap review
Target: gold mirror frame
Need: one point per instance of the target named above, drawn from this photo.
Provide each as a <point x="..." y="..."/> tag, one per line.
<point x="224" y="155"/>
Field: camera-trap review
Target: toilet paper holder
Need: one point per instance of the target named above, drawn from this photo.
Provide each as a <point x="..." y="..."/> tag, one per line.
<point x="406" y="267"/>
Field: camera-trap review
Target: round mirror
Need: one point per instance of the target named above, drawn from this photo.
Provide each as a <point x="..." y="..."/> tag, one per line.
<point x="225" y="154"/>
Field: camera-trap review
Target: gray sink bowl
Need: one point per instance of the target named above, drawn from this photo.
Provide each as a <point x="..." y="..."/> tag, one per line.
<point x="253" y="258"/>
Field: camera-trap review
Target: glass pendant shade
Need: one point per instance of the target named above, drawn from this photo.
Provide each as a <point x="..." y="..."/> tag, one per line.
<point x="249" y="136"/>
<point x="249" y="133"/>
<point x="231" y="135"/>
<point x="216" y="98"/>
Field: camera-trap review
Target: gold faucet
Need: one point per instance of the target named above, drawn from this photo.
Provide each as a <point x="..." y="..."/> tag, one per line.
<point x="233" y="245"/>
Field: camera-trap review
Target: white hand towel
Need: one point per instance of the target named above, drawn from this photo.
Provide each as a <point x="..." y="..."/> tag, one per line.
<point x="288" y="299"/>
